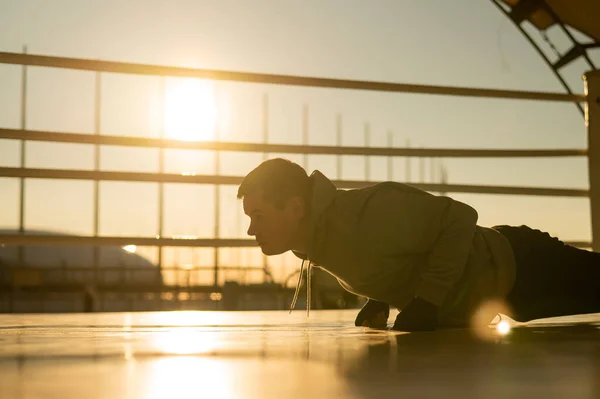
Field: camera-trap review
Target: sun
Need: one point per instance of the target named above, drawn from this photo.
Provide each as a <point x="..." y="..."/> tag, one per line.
<point x="190" y="110"/>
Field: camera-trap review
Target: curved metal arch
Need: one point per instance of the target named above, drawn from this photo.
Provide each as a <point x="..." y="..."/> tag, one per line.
<point x="576" y="51"/>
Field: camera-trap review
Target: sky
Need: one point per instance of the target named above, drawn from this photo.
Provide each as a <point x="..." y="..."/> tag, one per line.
<point x="436" y="42"/>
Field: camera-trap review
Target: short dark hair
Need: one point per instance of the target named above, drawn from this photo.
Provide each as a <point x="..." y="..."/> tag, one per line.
<point x="280" y="179"/>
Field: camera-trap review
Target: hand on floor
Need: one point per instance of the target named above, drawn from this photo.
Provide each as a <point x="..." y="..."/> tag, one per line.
<point x="374" y="315"/>
<point x="419" y="315"/>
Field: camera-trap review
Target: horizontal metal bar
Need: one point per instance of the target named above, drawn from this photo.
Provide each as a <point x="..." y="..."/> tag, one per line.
<point x="145" y="69"/>
<point x="477" y="189"/>
<point x="579" y="244"/>
<point x="235" y="180"/>
<point x="118" y="176"/>
<point x="36" y="135"/>
<point x="129" y="269"/>
<point x="69" y="240"/>
<point x="135" y="287"/>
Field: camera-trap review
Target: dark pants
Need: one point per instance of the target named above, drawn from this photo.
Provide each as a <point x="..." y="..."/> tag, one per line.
<point x="553" y="279"/>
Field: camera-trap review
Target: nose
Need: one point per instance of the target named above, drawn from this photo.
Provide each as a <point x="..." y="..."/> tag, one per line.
<point x="251" y="231"/>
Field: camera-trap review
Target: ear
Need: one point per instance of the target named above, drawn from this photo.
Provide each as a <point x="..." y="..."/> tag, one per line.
<point x="297" y="207"/>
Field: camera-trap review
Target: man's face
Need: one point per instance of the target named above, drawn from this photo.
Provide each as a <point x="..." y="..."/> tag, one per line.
<point x="276" y="230"/>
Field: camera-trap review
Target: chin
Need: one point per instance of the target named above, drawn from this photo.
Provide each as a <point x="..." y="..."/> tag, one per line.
<point x="272" y="251"/>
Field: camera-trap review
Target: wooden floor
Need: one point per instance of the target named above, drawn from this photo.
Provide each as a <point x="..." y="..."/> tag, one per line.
<point x="276" y="355"/>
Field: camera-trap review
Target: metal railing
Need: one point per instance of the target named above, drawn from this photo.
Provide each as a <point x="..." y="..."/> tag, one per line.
<point x="132" y="277"/>
<point x="80" y="138"/>
<point x="232" y="76"/>
<point x="98" y="139"/>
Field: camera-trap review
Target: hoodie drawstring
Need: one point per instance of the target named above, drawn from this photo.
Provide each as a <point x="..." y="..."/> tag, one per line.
<point x="308" y="287"/>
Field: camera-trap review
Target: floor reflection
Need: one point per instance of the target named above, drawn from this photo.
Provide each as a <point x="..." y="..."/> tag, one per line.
<point x="270" y="355"/>
<point x="185" y="341"/>
<point x="189" y="377"/>
<point x="550" y="361"/>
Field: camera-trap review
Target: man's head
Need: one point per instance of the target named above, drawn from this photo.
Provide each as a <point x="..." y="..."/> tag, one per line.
<point x="276" y="198"/>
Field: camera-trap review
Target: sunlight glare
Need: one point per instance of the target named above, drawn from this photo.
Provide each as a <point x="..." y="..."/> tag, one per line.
<point x="185" y="341"/>
<point x="130" y="248"/>
<point x="190" y="377"/>
<point x="190" y="110"/>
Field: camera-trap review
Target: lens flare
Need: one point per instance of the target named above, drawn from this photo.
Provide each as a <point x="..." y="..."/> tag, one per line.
<point x="486" y="313"/>
<point x="503" y="327"/>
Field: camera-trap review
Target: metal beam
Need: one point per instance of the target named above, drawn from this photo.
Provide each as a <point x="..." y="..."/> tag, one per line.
<point x="37" y="135"/>
<point x="540" y="52"/>
<point x="562" y="26"/>
<point x="82" y="241"/>
<point x="476" y="189"/>
<point x="574" y="52"/>
<point x="588" y="46"/>
<point x="235" y="180"/>
<point x="524" y="9"/>
<point x="592" y="88"/>
<point x="156" y="70"/>
<point x="71" y="174"/>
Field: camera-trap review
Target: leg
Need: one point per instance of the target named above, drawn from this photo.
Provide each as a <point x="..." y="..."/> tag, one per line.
<point x="553" y="279"/>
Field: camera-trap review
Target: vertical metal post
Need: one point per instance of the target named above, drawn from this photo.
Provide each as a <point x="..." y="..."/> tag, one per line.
<point x="367" y="158"/>
<point x="23" y="157"/>
<point x="305" y="134"/>
<point x="161" y="169"/>
<point x="338" y="141"/>
<point x="217" y="198"/>
<point x="238" y="225"/>
<point x="266" y="123"/>
<point x="408" y="171"/>
<point x="443" y="177"/>
<point x="421" y="169"/>
<point x="217" y="212"/>
<point x="592" y="121"/>
<point x="390" y="159"/>
<point x="97" y="122"/>
<point x="265" y="261"/>
<point x="441" y="172"/>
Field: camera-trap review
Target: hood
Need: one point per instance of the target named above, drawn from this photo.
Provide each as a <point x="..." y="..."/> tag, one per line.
<point x="323" y="193"/>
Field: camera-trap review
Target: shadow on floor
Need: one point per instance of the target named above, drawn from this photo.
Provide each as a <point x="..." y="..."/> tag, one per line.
<point x="541" y="360"/>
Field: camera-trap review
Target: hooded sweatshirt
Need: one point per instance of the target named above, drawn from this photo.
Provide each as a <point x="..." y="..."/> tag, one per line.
<point x="392" y="242"/>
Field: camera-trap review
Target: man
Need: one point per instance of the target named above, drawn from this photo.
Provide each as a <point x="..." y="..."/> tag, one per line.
<point x="421" y="253"/>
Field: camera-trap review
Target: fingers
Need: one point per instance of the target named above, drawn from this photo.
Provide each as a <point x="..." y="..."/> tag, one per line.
<point x="379" y="321"/>
<point x="373" y="314"/>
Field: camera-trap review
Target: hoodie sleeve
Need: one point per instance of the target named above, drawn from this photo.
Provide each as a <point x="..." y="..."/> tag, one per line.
<point x="404" y="223"/>
<point x="449" y="254"/>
